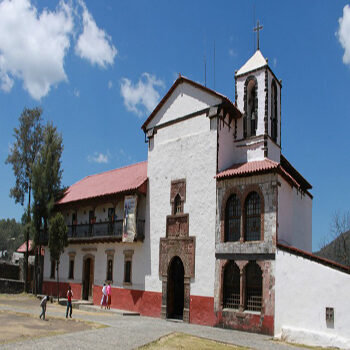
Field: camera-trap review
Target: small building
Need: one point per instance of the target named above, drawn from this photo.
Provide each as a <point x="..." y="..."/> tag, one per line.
<point x="215" y="228"/>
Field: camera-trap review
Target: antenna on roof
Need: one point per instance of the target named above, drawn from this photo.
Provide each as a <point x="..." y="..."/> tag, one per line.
<point x="205" y="70"/>
<point x="214" y="64"/>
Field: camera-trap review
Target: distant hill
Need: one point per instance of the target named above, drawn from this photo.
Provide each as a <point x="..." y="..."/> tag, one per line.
<point x="338" y="250"/>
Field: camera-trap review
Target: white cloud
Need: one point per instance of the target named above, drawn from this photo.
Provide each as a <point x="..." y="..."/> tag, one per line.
<point x="343" y="33"/>
<point x="6" y="82"/>
<point x="33" y="45"/>
<point x="110" y="84"/>
<point x="232" y="53"/>
<point x="76" y="92"/>
<point x="99" y="158"/>
<point x="141" y="97"/>
<point x="275" y="62"/>
<point x="94" y="44"/>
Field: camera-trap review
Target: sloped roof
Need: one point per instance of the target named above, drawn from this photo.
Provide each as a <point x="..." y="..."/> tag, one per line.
<point x="267" y="165"/>
<point x="254" y="62"/>
<point x="181" y="79"/>
<point x="114" y="181"/>
<point x="313" y="257"/>
<point x="23" y="247"/>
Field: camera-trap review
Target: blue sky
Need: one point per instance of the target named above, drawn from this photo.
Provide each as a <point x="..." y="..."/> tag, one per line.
<point x="98" y="69"/>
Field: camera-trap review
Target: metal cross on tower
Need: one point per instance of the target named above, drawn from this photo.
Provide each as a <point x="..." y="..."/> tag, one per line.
<point x="257" y="29"/>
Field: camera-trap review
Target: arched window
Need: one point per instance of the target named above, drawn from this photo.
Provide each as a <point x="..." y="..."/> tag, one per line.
<point x="274" y="121"/>
<point x="233" y="219"/>
<point x="252" y="211"/>
<point x="231" y="291"/>
<point x="253" y="287"/>
<point x="177" y="205"/>
<point x="251" y="107"/>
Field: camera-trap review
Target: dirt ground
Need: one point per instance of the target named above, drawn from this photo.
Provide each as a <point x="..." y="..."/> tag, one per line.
<point x="176" y="341"/>
<point x="16" y="326"/>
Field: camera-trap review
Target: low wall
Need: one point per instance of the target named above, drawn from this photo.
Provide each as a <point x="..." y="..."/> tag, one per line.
<point x="304" y="291"/>
<point x="9" y="271"/>
<point x="11" y="286"/>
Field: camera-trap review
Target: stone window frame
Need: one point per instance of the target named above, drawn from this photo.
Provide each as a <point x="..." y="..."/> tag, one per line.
<point x="242" y="196"/>
<point x="242" y="267"/>
<point x="110" y="257"/>
<point x="71" y="256"/>
<point x="128" y="254"/>
<point x="177" y="190"/>
<point x="245" y="116"/>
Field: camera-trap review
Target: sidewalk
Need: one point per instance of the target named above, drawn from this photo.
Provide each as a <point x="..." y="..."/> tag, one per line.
<point x="130" y="332"/>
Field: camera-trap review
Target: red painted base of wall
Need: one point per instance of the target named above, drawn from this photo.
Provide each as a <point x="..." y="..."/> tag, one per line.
<point x="50" y="288"/>
<point x="247" y="322"/>
<point x="146" y="303"/>
<point x="149" y="304"/>
<point x="202" y="310"/>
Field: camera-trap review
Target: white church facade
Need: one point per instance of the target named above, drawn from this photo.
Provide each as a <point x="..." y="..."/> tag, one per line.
<point x="214" y="228"/>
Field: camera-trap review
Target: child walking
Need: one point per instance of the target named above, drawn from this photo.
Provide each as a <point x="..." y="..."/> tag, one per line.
<point x="43" y="306"/>
<point x="69" y="302"/>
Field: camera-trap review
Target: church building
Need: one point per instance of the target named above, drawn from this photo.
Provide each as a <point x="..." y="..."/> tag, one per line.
<point x="215" y="228"/>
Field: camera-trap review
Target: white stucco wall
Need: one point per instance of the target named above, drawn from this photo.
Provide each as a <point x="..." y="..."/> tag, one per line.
<point x="185" y="150"/>
<point x="185" y="100"/>
<point x="226" y="154"/>
<point x="294" y="217"/>
<point x="140" y="263"/>
<point x="303" y="290"/>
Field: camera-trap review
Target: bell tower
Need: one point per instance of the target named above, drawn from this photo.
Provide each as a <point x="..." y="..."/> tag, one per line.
<point x="258" y="96"/>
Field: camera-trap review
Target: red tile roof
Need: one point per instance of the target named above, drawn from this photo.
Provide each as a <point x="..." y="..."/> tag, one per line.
<point x="264" y="166"/>
<point x="248" y="168"/>
<point x="23" y="247"/>
<point x="181" y="79"/>
<point x="124" y="179"/>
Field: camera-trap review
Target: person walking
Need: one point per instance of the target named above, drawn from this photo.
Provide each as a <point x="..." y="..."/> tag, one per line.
<point x="109" y="295"/>
<point x="104" y="296"/>
<point x="69" y="302"/>
<point x="43" y="306"/>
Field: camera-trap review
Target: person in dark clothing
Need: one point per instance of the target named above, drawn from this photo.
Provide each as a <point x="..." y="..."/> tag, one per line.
<point x="43" y="306"/>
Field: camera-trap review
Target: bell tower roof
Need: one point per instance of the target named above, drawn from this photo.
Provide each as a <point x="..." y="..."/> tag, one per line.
<point x="255" y="62"/>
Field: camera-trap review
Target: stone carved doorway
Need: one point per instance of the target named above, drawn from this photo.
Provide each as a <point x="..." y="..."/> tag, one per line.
<point x="175" y="292"/>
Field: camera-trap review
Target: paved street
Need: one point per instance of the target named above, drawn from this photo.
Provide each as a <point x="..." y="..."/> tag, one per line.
<point x="128" y="332"/>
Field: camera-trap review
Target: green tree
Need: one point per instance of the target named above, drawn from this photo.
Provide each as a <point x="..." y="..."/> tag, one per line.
<point x="58" y="240"/>
<point x="28" y="137"/>
<point x="11" y="236"/>
<point x="46" y="180"/>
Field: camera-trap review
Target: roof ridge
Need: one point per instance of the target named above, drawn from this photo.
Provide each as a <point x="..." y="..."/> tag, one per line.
<point x="111" y="170"/>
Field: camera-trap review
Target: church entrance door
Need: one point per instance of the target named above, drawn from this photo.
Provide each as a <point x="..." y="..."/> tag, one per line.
<point x="88" y="274"/>
<point x="175" y="292"/>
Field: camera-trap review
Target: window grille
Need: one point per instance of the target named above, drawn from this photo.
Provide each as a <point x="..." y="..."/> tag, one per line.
<point x="253" y="287"/>
<point x="109" y="270"/>
<point x="252" y="217"/>
<point x="233" y="219"/>
<point x="127" y="275"/>
<point x="231" y="297"/>
<point x="71" y="269"/>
